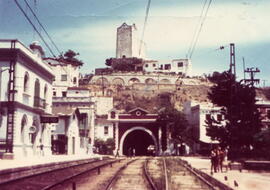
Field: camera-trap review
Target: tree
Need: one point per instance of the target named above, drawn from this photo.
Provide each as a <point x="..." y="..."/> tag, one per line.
<point x="242" y="119"/>
<point x="70" y="56"/>
<point x="176" y="123"/>
<point x="105" y="147"/>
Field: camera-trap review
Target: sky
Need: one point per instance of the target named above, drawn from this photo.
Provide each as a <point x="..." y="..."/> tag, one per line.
<point x="89" y="27"/>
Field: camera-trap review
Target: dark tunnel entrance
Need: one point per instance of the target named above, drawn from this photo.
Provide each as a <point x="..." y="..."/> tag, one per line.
<point x="141" y="141"/>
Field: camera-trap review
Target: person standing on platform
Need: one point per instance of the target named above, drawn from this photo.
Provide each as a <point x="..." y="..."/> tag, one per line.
<point x="133" y="152"/>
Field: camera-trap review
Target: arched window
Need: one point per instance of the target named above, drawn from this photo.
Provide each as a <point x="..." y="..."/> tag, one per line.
<point x="74" y="80"/>
<point x="23" y="128"/>
<point x="37" y="94"/>
<point x="45" y="92"/>
<point x="45" y="95"/>
<point x="26" y="82"/>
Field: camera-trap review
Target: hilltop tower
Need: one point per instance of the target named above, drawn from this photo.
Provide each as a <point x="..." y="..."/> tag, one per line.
<point x="128" y="43"/>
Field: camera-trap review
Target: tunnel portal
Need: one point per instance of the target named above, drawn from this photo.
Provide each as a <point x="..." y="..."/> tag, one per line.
<point x="141" y="141"/>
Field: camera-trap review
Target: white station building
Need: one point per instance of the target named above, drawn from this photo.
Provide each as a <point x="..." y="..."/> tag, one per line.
<point x="25" y="100"/>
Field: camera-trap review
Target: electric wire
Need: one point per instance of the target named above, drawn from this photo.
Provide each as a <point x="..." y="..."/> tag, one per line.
<point x="144" y="25"/>
<point x="42" y="26"/>
<point x="197" y="38"/>
<point x="197" y="28"/>
<point x="29" y="20"/>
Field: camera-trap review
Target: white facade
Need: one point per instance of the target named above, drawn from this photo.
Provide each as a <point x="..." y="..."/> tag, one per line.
<point x="66" y="75"/>
<point x="32" y="99"/>
<point x="78" y="98"/>
<point x="177" y="66"/>
<point x="68" y="126"/>
<point x="197" y="114"/>
<point x="104" y="129"/>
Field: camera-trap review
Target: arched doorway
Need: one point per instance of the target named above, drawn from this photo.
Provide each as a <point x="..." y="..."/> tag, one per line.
<point x="140" y="139"/>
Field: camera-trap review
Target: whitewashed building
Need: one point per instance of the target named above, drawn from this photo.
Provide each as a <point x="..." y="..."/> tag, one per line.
<point x="68" y="95"/>
<point x="79" y="99"/>
<point x="103" y="127"/>
<point x="66" y="75"/>
<point x="197" y="114"/>
<point x="176" y="66"/>
<point x="25" y="100"/>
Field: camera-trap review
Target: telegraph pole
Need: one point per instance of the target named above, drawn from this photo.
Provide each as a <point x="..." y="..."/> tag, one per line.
<point x="252" y="71"/>
<point x="232" y="60"/>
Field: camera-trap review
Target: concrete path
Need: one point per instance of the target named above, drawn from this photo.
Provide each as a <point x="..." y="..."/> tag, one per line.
<point x="246" y="180"/>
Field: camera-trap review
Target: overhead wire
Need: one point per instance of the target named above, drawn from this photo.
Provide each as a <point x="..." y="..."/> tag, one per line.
<point x="29" y="20"/>
<point x="202" y="23"/>
<point x="144" y="25"/>
<point x="197" y="28"/>
<point x="42" y="27"/>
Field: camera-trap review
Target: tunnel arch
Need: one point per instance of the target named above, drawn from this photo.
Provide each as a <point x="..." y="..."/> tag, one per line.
<point x="147" y="131"/>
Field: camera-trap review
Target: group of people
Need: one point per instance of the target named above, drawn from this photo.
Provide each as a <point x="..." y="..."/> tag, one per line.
<point x="218" y="157"/>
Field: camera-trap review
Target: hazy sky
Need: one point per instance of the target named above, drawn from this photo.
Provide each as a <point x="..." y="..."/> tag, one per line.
<point x="89" y="27"/>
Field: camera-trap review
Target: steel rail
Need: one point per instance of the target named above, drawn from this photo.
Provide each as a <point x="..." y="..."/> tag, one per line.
<point x="189" y="168"/>
<point x="112" y="180"/>
<point x="78" y="174"/>
<point x="149" y="179"/>
<point x="165" y="175"/>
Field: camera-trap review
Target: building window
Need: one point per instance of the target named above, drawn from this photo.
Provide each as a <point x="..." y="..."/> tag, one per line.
<point x="74" y="80"/>
<point x="26" y="82"/>
<point x="64" y="94"/>
<point x="180" y="64"/>
<point x="219" y="117"/>
<point x="167" y="66"/>
<point x="112" y="114"/>
<point x="45" y="92"/>
<point x="207" y="116"/>
<point x="146" y="65"/>
<point x="106" y="130"/>
<point x="154" y="65"/>
<point x="54" y="93"/>
<point x="63" y="77"/>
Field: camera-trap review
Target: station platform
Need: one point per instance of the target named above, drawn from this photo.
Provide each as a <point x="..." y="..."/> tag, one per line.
<point x="39" y="160"/>
<point x="245" y="179"/>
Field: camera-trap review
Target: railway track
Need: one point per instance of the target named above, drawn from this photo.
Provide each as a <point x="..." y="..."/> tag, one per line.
<point x="56" y="177"/>
<point x="131" y="177"/>
<point x="158" y="173"/>
<point x="171" y="174"/>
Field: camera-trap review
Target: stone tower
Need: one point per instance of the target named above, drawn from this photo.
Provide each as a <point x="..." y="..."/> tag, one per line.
<point x="128" y="43"/>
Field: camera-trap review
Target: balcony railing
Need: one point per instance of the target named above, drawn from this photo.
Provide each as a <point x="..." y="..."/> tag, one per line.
<point x="39" y="103"/>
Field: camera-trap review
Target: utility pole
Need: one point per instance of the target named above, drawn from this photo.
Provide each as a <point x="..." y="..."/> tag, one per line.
<point x="252" y="71"/>
<point x="232" y="60"/>
<point x="264" y="83"/>
<point x="244" y="68"/>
